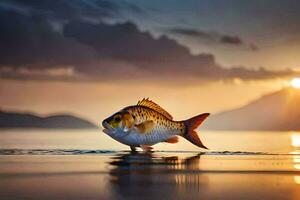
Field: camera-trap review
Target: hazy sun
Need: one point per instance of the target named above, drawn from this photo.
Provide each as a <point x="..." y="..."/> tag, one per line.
<point x="295" y="83"/>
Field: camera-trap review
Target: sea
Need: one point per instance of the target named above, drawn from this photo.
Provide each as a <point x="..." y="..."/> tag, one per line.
<point x="88" y="164"/>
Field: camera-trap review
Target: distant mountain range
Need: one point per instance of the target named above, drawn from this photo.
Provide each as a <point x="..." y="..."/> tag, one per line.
<point x="25" y="120"/>
<point x="276" y="111"/>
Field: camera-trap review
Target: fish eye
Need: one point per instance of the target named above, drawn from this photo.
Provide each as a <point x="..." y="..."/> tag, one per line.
<point x="117" y="119"/>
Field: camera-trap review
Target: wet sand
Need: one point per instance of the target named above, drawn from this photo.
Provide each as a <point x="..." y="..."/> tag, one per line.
<point x="90" y="174"/>
<point x="87" y="165"/>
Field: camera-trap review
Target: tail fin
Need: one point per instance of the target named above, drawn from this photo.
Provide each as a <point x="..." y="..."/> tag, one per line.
<point x="190" y="125"/>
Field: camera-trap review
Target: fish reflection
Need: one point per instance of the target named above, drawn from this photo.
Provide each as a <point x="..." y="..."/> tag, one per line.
<point x="136" y="175"/>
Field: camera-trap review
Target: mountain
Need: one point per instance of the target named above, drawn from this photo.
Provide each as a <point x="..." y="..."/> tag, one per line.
<point x="276" y="111"/>
<point x="25" y="120"/>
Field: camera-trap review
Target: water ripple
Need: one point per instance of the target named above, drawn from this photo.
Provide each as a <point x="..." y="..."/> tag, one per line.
<point x="52" y="152"/>
<point x="97" y="152"/>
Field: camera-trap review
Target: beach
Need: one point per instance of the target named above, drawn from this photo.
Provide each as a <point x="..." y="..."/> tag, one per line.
<point x="79" y="79"/>
<point x="46" y="172"/>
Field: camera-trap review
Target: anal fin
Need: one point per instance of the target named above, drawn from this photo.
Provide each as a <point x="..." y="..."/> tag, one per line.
<point x="146" y="147"/>
<point x="172" y="140"/>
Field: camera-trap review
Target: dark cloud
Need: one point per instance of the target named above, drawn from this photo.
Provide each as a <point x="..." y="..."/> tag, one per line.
<point x="190" y="32"/>
<point x="213" y="38"/>
<point x="30" y="40"/>
<point x="124" y="41"/>
<point x="234" y="40"/>
<point x="68" y="9"/>
<point x="253" y="47"/>
<point x="205" y="36"/>
<point x="31" y="48"/>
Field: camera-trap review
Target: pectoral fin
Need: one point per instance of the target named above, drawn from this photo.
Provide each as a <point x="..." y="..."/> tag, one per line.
<point x="172" y="140"/>
<point x="145" y="127"/>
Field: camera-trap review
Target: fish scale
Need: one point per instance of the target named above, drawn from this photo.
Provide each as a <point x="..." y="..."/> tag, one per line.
<point x="162" y="124"/>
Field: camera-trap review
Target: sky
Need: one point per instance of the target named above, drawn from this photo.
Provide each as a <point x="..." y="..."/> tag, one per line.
<point x="92" y="57"/>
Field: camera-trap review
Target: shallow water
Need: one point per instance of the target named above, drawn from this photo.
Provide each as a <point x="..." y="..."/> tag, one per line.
<point x="64" y="164"/>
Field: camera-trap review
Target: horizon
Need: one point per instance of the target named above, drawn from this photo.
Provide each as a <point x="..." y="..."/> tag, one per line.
<point x="279" y="107"/>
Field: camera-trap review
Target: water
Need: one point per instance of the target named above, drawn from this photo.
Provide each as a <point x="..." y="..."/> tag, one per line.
<point x="68" y="164"/>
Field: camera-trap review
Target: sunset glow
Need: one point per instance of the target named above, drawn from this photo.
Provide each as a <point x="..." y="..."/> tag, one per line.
<point x="295" y="140"/>
<point x="295" y="83"/>
<point x="297" y="179"/>
<point x="118" y="99"/>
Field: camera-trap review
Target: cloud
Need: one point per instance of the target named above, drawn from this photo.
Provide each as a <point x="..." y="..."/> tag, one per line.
<point x="32" y="48"/>
<point x="66" y="9"/>
<point x="253" y="47"/>
<point x="234" y="40"/>
<point x="191" y="32"/>
<point x="31" y="40"/>
<point x="212" y="38"/>
<point x="124" y="41"/>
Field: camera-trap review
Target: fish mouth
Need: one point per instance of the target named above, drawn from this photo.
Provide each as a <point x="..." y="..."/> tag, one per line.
<point x="107" y="127"/>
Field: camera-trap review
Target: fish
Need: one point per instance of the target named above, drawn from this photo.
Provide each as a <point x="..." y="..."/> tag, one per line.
<point x="146" y="124"/>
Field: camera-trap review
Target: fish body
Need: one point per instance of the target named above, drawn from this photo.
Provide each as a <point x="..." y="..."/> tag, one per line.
<point x="146" y="124"/>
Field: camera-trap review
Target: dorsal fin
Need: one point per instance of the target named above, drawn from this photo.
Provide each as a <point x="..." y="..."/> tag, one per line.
<point x="150" y="104"/>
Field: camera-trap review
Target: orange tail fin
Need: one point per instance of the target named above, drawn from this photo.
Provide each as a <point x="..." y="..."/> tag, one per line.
<point x="190" y="125"/>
